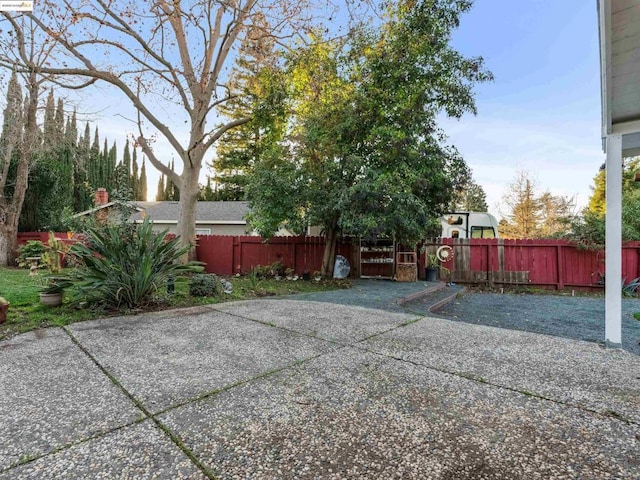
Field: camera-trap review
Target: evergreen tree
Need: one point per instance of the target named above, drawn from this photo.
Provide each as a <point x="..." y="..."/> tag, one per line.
<point x="171" y="192"/>
<point x="104" y="167"/>
<point x="160" y="189"/>
<point x="83" y="192"/>
<point x="206" y="193"/>
<point x="143" y="181"/>
<point x="136" y="187"/>
<point x="49" y="121"/>
<point x="126" y="162"/>
<point x="59" y="122"/>
<point x="523" y="214"/>
<point x="472" y="198"/>
<point x="94" y="170"/>
<point x="534" y="215"/>
<point x="71" y="130"/>
<point x="239" y="149"/>
<point x="51" y="178"/>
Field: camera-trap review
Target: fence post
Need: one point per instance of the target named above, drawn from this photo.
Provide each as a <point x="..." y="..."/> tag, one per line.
<point x="560" y="266"/>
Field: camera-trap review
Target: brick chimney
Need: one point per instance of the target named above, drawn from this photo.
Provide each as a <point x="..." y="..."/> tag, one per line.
<point x="102" y="197"/>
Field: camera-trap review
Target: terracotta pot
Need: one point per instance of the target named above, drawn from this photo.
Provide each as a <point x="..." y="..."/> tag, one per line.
<point x="4" y="307"/>
<point x="51" y="299"/>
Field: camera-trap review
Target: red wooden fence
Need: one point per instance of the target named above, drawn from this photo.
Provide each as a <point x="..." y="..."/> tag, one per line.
<point x="228" y="255"/>
<point x="549" y="263"/>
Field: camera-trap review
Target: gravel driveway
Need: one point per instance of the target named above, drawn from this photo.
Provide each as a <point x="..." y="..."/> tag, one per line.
<point x="580" y="318"/>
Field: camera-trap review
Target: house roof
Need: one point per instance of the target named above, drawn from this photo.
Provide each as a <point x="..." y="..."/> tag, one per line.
<point x="206" y="212"/>
<point x="133" y="205"/>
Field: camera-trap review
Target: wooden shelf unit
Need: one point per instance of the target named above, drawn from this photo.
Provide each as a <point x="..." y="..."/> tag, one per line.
<point x="377" y="258"/>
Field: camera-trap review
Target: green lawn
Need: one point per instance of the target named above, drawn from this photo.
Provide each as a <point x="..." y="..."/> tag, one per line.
<point x="27" y="313"/>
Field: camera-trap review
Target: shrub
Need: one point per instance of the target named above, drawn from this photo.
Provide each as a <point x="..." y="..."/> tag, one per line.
<point x="268" y="271"/>
<point x="204" y="285"/>
<point x="33" y="248"/>
<point x="124" y="265"/>
<point x="54" y="254"/>
<point x="261" y="271"/>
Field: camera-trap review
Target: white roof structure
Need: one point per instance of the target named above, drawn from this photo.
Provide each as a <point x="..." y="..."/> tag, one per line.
<point x="620" y="70"/>
<point x="619" y="25"/>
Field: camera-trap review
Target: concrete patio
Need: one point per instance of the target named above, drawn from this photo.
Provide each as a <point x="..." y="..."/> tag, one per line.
<point x="287" y="388"/>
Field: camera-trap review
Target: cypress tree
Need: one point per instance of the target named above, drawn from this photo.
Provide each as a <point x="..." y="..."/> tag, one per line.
<point x="160" y="189"/>
<point x="126" y="163"/>
<point x="59" y="123"/>
<point x="104" y="167"/>
<point x="94" y="161"/>
<point x="143" y="181"/>
<point x="112" y="159"/>
<point x="71" y="130"/>
<point x="49" y="121"/>
<point x="134" y="176"/>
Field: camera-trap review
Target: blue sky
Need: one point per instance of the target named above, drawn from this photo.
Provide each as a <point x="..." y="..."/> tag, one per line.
<point x="542" y="112"/>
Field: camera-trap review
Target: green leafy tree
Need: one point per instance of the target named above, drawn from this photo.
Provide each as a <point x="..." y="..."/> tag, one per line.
<point x="364" y="154"/>
<point x="470" y="198"/>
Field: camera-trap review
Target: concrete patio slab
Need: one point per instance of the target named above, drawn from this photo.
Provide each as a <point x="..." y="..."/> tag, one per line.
<point x="357" y="415"/>
<point x="138" y="452"/>
<point x="52" y="395"/>
<point x="569" y="371"/>
<point x="336" y="323"/>
<point x="171" y="359"/>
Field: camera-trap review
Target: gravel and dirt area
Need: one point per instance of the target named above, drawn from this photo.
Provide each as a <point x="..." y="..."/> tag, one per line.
<point x="580" y="317"/>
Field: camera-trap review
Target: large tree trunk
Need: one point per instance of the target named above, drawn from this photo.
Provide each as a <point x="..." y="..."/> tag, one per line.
<point x="329" y="255"/>
<point x="8" y="245"/>
<point x="189" y="193"/>
<point x="10" y="209"/>
<point x="4" y="245"/>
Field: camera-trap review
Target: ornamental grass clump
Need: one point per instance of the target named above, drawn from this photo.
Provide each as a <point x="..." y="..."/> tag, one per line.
<point x="125" y="265"/>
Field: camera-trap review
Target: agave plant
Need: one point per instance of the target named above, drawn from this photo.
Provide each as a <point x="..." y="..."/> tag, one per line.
<point x="124" y="265"/>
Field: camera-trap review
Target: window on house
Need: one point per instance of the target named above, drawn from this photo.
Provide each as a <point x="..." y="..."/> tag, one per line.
<point x="203" y="231"/>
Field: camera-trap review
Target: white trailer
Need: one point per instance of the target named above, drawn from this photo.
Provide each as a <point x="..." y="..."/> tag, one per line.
<point x="469" y="225"/>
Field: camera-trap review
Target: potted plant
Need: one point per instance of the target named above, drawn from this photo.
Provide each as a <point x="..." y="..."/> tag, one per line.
<point x="4" y="307"/>
<point x="433" y="267"/>
<point x="53" y="291"/>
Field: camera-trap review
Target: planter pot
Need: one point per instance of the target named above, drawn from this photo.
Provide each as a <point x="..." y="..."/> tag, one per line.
<point x="51" y="299"/>
<point x="431" y="274"/>
<point x="4" y="307"/>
